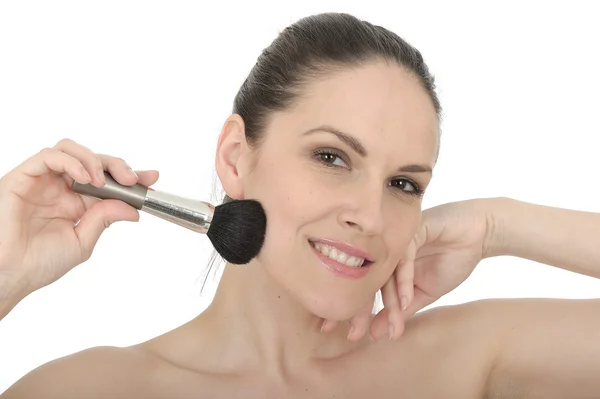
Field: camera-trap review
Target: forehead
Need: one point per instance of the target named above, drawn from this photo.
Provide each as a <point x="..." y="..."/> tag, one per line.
<point x="380" y="104"/>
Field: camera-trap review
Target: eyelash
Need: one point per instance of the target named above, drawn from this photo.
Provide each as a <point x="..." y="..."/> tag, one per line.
<point x="418" y="192"/>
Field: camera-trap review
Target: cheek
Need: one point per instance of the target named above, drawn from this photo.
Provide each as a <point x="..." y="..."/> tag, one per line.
<point x="401" y="230"/>
<point x="287" y="197"/>
<point x="284" y="188"/>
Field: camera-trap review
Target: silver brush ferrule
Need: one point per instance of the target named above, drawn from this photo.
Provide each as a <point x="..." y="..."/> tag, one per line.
<point x="192" y="214"/>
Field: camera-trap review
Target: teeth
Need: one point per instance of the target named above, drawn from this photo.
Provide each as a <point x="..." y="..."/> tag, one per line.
<point x="336" y="254"/>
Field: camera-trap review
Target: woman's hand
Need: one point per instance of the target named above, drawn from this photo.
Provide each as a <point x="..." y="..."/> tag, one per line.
<point x="46" y="229"/>
<point x="452" y="240"/>
<point x="396" y="293"/>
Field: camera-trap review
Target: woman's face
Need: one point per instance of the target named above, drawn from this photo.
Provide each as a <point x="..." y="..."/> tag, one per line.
<point x="344" y="169"/>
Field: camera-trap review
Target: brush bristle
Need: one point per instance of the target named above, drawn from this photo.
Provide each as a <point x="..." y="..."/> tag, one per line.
<point x="237" y="230"/>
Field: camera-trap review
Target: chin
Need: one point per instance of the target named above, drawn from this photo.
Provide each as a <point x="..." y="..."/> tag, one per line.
<point x="318" y="289"/>
<point x="334" y="307"/>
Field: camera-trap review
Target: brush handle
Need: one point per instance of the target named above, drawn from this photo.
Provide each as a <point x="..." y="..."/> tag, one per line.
<point x="192" y="214"/>
<point x="133" y="195"/>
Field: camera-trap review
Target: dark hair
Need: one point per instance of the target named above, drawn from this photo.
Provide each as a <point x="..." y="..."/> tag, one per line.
<point x="311" y="48"/>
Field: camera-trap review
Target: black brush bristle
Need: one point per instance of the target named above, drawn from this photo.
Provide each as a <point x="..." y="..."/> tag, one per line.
<point x="237" y="230"/>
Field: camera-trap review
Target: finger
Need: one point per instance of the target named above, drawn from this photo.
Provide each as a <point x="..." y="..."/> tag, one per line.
<point x="97" y="219"/>
<point x="405" y="273"/>
<point x="359" y="324"/>
<point x="380" y="324"/>
<point x="391" y="301"/>
<point x="420" y="301"/>
<point x="328" y="326"/>
<point x="147" y="177"/>
<point x="96" y="164"/>
<point x="119" y="170"/>
<point x="50" y="160"/>
<point x="87" y="157"/>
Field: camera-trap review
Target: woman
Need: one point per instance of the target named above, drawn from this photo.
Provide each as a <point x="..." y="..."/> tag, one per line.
<point x="335" y="131"/>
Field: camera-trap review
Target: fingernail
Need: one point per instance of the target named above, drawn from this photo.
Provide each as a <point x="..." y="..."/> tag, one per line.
<point x="391" y="331"/>
<point x="86" y="175"/>
<point x="100" y="176"/>
<point x="132" y="172"/>
<point x="404" y="302"/>
<point x="350" y="332"/>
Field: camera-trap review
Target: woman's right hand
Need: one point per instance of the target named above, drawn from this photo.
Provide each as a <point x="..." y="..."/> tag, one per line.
<point x="46" y="229"/>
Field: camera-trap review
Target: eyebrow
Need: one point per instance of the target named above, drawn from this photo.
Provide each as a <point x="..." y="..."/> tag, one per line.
<point x="357" y="146"/>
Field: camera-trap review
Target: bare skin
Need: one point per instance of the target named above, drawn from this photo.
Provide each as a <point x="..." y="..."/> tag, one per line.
<point x="445" y="352"/>
<point x="182" y="365"/>
<point x="261" y="336"/>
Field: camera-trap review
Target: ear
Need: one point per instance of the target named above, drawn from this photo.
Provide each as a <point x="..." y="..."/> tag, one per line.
<point x="229" y="160"/>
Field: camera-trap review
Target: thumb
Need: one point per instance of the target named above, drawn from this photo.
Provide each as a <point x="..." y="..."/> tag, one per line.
<point x="98" y="218"/>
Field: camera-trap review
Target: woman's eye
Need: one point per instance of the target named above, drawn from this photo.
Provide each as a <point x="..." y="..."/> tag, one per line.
<point x="330" y="158"/>
<point x="406" y="186"/>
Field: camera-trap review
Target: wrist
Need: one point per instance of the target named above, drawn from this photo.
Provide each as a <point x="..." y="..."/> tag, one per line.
<point x="13" y="289"/>
<point x="496" y="212"/>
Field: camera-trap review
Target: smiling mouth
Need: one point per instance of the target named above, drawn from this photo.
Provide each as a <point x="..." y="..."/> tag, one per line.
<point x="339" y="256"/>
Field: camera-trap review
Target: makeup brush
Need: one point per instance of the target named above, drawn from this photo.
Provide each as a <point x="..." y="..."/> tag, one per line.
<point x="236" y="229"/>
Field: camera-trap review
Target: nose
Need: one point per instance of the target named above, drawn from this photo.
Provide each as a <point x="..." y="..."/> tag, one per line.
<point x="363" y="210"/>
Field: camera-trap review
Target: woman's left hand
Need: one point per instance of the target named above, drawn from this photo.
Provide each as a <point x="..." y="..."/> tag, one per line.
<point x="397" y="294"/>
<point x="451" y="242"/>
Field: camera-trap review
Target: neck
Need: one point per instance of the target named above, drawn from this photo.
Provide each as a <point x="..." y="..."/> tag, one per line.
<point x="255" y="323"/>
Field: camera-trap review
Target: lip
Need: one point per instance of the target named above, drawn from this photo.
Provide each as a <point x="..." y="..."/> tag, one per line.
<point x="340" y="269"/>
<point x="344" y="247"/>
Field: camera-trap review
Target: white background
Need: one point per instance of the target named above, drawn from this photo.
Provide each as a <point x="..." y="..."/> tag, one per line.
<point x="152" y="82"/>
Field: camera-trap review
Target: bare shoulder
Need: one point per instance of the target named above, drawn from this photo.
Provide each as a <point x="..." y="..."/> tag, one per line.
<point x="98" y="372"/>
<point x="496" y="348"/>
<point x="447" y="351"/>
<point x="468" y="322"/>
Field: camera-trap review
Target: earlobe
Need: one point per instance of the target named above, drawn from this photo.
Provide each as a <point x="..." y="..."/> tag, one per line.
<point x="228" y="159"/>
